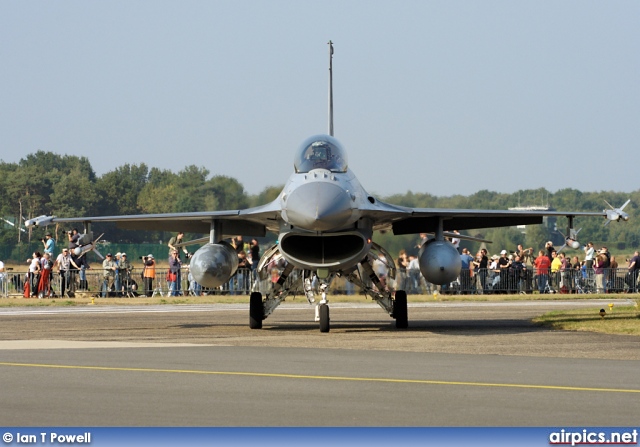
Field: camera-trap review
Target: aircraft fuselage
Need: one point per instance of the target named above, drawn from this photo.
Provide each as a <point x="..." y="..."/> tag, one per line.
<point x="322" y="226"/>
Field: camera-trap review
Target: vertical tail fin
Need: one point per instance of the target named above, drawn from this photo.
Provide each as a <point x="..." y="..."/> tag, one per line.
<point x="330" y="88"/>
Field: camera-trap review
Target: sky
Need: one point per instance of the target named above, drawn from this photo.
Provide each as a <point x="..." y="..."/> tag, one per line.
<point x="440" y="97"/>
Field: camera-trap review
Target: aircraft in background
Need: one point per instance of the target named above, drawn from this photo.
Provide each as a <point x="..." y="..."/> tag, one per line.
<point x="325" y="221"/>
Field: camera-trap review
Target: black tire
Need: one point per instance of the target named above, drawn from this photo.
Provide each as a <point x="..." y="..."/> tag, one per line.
<point x="256" y="310"/>
<point x="400" y="312"/>
<point x="324" y="318"/>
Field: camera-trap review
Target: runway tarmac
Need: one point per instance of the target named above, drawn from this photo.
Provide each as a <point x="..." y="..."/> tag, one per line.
<point x="458" y="364"/>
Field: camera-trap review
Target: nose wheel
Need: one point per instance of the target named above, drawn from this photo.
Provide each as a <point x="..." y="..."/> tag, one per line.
<point x="323" y="311"/>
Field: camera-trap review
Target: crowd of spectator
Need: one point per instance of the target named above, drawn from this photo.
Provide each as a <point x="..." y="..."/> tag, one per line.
<point x="40" y="276"/>
<point x="521" y="270"/>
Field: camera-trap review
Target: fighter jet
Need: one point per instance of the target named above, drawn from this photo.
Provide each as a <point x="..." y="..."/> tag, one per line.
<point x="325" y="220"/>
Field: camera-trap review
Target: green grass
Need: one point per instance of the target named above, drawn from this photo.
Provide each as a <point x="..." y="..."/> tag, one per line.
<point x="617" y="320"/>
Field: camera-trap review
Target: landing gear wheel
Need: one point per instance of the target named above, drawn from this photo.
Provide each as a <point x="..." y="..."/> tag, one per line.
<point x="256" y="310"/>
<point x="324" y="317"/>
<point x="400" y="312"/>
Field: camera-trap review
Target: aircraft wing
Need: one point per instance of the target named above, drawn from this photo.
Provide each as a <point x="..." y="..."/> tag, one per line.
<point x="404" y="220"/>
<point x="258" y="220"/>
<point x="249" y="222"/>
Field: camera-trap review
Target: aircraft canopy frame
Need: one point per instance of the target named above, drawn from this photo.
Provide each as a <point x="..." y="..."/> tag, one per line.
<point x="320" y="152"/>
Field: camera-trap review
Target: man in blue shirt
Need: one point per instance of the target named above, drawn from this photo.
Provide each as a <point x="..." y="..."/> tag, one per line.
<point x="49" y="244"/>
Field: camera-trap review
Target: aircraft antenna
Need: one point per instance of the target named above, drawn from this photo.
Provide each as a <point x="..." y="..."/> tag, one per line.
<point x="330" y="88"/>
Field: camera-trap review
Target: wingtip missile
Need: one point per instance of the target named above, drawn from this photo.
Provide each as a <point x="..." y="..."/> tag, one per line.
<point x="40" y="221"/>
<point x="615" y="213"/>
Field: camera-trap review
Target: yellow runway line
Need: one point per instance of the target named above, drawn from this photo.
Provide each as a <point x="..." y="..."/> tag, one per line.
<point x="313" y="377"/>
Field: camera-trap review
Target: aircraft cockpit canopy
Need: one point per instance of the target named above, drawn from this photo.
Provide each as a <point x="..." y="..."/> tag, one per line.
<point x="321" y="152"/>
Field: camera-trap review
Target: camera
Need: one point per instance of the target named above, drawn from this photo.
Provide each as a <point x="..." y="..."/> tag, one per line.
<point x="143" y="257"/>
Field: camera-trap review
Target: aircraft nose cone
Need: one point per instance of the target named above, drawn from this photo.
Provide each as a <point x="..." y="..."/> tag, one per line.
<point x="318" y="206"/>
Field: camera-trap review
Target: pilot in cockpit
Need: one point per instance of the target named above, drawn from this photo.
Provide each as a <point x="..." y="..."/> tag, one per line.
<point x="317" y="154"/>
<point x="320" y="152"/>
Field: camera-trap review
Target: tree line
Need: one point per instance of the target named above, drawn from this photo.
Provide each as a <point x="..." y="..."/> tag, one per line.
<point x="66" y="185"/>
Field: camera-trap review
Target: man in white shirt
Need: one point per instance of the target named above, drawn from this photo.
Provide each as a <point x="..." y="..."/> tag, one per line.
<point x="589" y="252"/>
<point x="34" y="270"/>
<point x="64" y="263"/>
<point x="456" y="241"/>
<point x="413" y="270"/>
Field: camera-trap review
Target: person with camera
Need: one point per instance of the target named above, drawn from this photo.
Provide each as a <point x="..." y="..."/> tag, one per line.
<point x="549" y="249"/>
<point x="124" y="273"/>
<point x="589" y="255"/>
<point x="526" y="257"/>
<point x="483" y="266"/>
<point x="632" y="275"/>
<point x="238" y="244"/>
<point x="177" y="240"/>
<point x="173" y="275"/>
<point x="73" y="237"/>
<point x="49" y="244"/>
<point x="600" y="266"/>
<point x="49" y="247"/>
<point x="148" y="273"/>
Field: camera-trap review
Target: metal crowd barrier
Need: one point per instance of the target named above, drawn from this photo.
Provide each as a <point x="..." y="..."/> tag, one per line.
<point x="94" y="283"/>
<point x="486" y="281"/>
<point x="483" y="281"/>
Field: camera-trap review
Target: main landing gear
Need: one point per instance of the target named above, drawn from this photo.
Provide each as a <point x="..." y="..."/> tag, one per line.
<point x="257" y="309"/>
<point x="400" y="312"/>
<point x="260" y="309"/>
